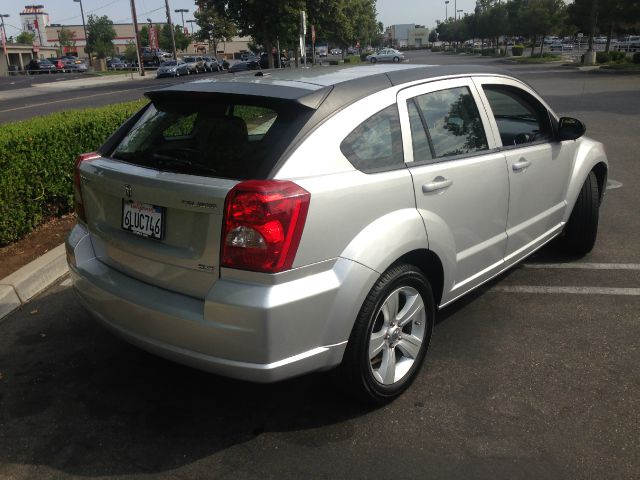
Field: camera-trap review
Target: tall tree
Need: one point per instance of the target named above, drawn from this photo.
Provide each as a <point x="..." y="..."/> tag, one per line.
<point x="67" y="39"/>
<point x="26" y="37"/>
<point x="215" y="25"/>
<point x="164" y="38"/>
<point x="100" y="35"/>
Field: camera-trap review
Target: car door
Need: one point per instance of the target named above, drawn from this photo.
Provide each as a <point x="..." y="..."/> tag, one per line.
<point x="537" y="165"/>
<point x="460" y="180"/>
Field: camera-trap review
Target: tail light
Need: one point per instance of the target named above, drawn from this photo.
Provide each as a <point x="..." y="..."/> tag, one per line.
<point x="77" y="189"/>
<point x="263" y="223"/>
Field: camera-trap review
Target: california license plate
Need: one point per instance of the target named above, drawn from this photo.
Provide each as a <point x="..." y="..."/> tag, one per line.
<point x="143" y="219"/>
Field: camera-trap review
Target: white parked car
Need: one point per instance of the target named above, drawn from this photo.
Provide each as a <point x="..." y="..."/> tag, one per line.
<point x="386" y="55"/>
<point x="263" y="227"/>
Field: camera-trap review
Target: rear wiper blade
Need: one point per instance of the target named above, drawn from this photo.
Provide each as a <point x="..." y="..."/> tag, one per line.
<point x="171" y="161"/>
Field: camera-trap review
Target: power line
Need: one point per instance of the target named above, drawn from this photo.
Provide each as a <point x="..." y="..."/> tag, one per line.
<point x="88" y="11"/>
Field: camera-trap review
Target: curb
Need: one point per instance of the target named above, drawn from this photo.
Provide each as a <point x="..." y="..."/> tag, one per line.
<point x="25" y="283"/>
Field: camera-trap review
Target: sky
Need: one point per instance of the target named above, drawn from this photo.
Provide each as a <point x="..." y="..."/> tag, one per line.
<point x="422" y="12"/>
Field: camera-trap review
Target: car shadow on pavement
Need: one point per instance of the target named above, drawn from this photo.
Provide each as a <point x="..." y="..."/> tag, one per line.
<point x="79" y="400"/>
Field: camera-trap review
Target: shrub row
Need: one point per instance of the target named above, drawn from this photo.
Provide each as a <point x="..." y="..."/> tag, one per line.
<point x="352" y="59"/>
<point x="613" y="56"/>
<point x="36" y="163"/>
<point x="517" y="50"/>
<point x="636" y="57"/>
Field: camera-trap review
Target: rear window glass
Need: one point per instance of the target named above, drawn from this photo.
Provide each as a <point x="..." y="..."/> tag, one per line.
<point x="211" y="138"/>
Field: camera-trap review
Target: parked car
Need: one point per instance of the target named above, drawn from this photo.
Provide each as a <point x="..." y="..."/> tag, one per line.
<point x="336" y="51"/>
<point x="559" y="46"/>
<point x="58" y="63"/>
<point x="263" y="227"/>
<point x="76" y="66"/>
<point x="154" y="57"/>
<point x="211" y="64"/>
<point x="244" y="66"/>
<point x="172" y="68"/>
<point x="248" y="56"/>
<point x="386" y="55"/>
<point x="116" y="64"/>
<point x="40" y="66"/>
<point x="195" y="64"/>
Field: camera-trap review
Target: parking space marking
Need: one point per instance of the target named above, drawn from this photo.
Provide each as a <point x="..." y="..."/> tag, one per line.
<point x="567" y="290"/>
<point x="66" y="282"/>
<point x="586" y="266"/>
<point x="613" y="184"/>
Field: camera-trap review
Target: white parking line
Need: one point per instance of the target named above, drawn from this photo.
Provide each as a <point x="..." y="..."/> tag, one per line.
<point x="66" y="282"/>
<point x="567" y="290"/>
<point x="586" y="266"/>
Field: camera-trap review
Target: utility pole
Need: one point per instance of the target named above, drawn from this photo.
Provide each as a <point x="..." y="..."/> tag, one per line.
<point x="173" y="37"/>
<point x="135" y="27"/>
<point x="4" y="39"/>
<point x="84" y="27"/>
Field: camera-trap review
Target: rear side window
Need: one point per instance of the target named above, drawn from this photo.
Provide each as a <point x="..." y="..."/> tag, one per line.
<point x="451" y="124"/>
<point x="211" y="138"/>
<point x="376" y="144"/>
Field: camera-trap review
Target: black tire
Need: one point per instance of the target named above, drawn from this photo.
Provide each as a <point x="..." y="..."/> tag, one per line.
<point x="357" y="372"/>
<point x="582" y="228"/>
<point x="177" y="73"/>
<point x="396" y="59"/>
<point x="373" y="60"/>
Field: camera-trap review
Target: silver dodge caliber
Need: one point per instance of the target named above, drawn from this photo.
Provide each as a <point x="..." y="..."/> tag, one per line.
<point x="263" y="227"/>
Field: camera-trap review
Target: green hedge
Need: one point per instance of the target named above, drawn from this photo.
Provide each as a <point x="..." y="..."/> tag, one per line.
<point x="517" y="50"/>
<point x="36" y="163"/>
<point x="636" y="57"/>
<point x="352" y="59"/>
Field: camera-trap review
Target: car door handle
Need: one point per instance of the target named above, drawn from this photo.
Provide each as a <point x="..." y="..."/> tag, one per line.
<point x="520" y="165"/>
<point x="438" y="183"/>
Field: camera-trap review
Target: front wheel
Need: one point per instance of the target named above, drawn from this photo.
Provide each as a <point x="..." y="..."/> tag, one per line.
<point x="582" y="228"/>
<point x="390" y="337"/>
<point x="396" y="59"/>
<point x="373" y="60"/>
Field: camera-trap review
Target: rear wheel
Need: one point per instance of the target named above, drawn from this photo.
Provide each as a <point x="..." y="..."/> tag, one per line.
<point x="390" y="337"/>
<point x="396" y="59"/>
<point x="582" y="228"/>
<point x="373" y="60"/>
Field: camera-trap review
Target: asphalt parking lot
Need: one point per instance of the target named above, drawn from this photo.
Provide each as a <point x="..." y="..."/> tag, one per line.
<point x="533" y="377"/>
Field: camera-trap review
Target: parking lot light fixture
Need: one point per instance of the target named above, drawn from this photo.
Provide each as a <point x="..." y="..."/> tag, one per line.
<point x="182" y="11"/>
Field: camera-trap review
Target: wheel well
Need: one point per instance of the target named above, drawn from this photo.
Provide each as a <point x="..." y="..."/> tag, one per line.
<point x="601" y="175"/>
<point x="431" y="266"/>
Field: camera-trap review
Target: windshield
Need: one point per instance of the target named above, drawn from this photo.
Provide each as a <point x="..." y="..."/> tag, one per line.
<point x="219" y="138"/>
<point x="169" y="64"/>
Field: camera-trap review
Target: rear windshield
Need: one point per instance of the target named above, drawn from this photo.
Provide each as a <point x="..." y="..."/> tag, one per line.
<point x="216" y="138"/>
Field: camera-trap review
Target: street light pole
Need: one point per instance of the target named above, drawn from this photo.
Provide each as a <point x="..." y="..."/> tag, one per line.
<point x="446" y="10"/>
<point x="4" y="39"/>
<point x="182" y="11"/>
<point x="84" y="28"/>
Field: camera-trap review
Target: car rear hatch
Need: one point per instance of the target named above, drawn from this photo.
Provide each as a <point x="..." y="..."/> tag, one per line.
<point x="154" y="198"/>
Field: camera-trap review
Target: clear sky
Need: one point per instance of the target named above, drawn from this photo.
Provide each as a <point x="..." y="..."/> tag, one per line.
<point x="68" y="12"/>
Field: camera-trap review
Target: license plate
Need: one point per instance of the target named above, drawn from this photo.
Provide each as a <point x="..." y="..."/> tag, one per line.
<point x="143" y="219"/>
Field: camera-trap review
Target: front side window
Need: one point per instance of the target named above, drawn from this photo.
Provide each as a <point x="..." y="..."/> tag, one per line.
<point x="451" y="123"/>
<point x="521" y="119"/>
<point x="376" y="144"/>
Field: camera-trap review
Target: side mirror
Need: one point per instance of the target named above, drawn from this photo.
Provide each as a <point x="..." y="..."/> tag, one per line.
<point x="570" y="128"/>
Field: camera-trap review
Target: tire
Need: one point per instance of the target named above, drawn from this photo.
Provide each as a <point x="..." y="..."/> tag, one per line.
<point x="373" y="60"/>
<point x="381" y="375"/>
<point x="582" y="228"/>
<point x="396" y="59"/>
<point x="177" y="74"/>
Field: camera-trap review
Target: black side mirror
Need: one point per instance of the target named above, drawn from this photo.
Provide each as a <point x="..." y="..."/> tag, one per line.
<point x="570" y="128"/>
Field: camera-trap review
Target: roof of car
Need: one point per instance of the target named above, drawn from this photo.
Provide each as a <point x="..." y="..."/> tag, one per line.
<point x="310" y="87"/>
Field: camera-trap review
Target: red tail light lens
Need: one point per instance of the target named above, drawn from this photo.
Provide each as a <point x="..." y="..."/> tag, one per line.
<point x="77" y="189"/>
<point x="263" y="223"/>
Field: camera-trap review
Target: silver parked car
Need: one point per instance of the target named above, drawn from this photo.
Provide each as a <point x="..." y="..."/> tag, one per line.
<point x="263" y="227"/>
<point x="386" y="55"/>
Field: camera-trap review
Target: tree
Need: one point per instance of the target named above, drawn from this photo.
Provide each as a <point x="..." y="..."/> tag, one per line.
<point x="26" y="37"/>
<point x="67" y="39"/>
<point x="215" y="26"/>
<point x="130" y="53"/>
<point x="164" y="40"/>
<point x="433" y="36"/>
<point x="100" y="35"/>
<point x="144" y="36"/>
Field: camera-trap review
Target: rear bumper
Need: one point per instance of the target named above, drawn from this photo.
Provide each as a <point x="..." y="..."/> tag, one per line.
<point x="262" y="332"/>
